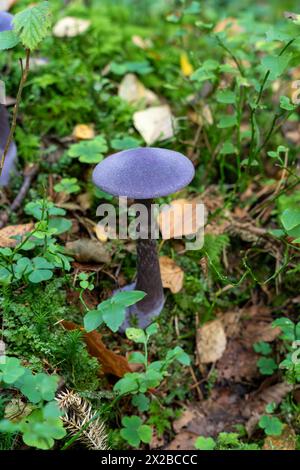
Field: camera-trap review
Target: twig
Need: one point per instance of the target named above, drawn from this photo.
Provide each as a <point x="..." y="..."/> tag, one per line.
<point x="24" y="76"/>
<point x="29" y="174"/>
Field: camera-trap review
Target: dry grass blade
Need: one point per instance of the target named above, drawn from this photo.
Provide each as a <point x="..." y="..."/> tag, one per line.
<point x="80" y="418"/>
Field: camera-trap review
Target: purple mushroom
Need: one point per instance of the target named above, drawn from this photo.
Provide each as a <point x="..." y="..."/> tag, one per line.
<point x="5" y="21"/>
<point x="143" y="174"/>
<point x="6" y="25"/>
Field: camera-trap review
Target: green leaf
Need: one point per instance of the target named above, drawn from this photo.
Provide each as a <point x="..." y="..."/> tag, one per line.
<point x="89" y="151"/>
<point x="271" y="425"/>
<point x="227" y="121"/>
<point x="40" y="275"/>
<point x="287" y="327"/>
<point x="262" y="348"/>
<point x="128" y="384"/>
<point x="127" y="298"/>
<point x="67" y="185"/>
<point x="290" y="219"/>
<point x="226" y="97"/>
<point x="271" y="407"/>
<point x="136" y="335"/>
<point x="59" y="225"/>
<point x="33" y="24"/>
<point x="145" y="433"/>
<point x="125" y="143"/>
<point x="285" y="103"/>
<point x="113" y="314"/>
<point x="142" y="68"/>
<point x="228" y="148"/>
<point x="152" y="329"/>
<point x="141" y="402"/>
<point x="205" y="443"/>
<point x="276" y="65"/>
<point x="267" y="366"/>
<point x="134" y="431"/>
<point x="136" y="358"/>
<point x="11" y="370"/>
<point x="92" y="320"/>
<point x="8" y="39"/>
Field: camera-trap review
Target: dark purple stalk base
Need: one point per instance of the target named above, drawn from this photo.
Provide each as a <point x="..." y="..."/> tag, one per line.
<point x="148" y="280"/>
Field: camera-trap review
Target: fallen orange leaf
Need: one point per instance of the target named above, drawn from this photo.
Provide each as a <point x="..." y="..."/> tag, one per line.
<point x="171" y="275"/>
<point x="84" y="132"/>
<point x="12" y="231"/>
<point x="111" y="363"/>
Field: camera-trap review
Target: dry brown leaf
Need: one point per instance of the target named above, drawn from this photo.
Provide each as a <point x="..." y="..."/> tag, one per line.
<point x="238" y="363"/>
<point x="101" y="233"/>
<point x="154" y="124"/>
<point x="171" y="274"/>
<point x="133" y="91"/>
<point x="211" y="342"/>
<point x="84" y="131"/>
<point x="70" y="27"/>
<point x="111" y="363"/>
<point x="255" y="406"/>
<point x="229" y="24"/>
<point x="85" y="201"/>
<point x="219" y="413"/>
<point x="257" y="325"/>
<point x="142" y="43"/>
<point x="13" y="231"/>
<point x="286" y="441"/>
<point x="180" y="218"/>
<point x="88" y="251"/>
<point x="183" y="441"/>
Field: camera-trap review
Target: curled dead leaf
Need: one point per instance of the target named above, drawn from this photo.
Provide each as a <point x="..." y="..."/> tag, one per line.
<point x="211" y="342"/>
<point x="88" y="251"/>
<point x="12" y="231"/>
<point x="181" y="218"/>
<point x="84" y="132"/>
<point x="70" y="27"/>
<point x="154" y="124"/>
<point x="133" y="91"/>
<point x="171" y="274"/>
<point x="111" y="363"/>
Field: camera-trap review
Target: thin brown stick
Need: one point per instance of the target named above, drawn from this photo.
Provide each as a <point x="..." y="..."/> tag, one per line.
<point x="24" y="76"/>
<point x="29" y="174"/>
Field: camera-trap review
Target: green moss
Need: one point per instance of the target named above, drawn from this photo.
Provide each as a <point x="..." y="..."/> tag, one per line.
<point x="32" y="331"/>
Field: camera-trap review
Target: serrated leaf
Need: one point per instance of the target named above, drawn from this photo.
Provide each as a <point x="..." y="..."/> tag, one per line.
<point x="8" y="39"/>
<point x="33" y="24"/>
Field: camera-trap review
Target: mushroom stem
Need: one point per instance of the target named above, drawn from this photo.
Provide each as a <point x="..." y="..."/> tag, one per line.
<point x="148" y="271"/>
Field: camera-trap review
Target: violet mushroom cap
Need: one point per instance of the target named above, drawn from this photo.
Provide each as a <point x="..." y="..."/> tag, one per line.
<point x="6" y="21"/>
<point x="144" y="174"/>
<point x="6" y="25"/>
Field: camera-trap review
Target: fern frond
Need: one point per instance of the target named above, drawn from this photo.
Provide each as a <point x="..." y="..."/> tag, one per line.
<point x="80" y="418"/>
